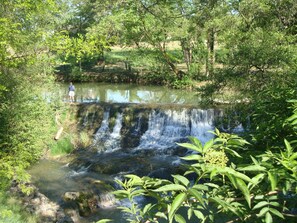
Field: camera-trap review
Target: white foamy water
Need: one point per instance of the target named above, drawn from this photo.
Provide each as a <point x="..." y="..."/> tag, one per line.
<point x="109" y="140"/>
<point x="169" y="127"/>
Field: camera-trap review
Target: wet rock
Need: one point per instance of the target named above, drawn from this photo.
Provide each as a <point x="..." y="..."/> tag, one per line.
<point x="86" y="202"/>
<point x="71" y="196"/>
<point x="38" y="204"/>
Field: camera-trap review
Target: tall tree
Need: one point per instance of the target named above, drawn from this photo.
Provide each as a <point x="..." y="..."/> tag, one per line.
<point x="24" y="75"/>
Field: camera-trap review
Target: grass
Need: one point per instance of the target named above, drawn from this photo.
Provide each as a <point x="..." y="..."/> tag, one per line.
<point x="62" y="147"/>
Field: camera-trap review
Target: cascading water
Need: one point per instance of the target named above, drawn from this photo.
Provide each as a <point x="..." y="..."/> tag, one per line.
<point x="165" y="128"/>
<point x="109" y="140"/>
<point x="202" y="121"/>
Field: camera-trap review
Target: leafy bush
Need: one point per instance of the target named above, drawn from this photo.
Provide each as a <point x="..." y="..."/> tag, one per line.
<point x="224" y="188"/>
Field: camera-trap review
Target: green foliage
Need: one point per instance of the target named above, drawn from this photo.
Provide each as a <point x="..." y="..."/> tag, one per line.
<point x="61" y="147"/>
<point x="269" y="111"/>
<point x="262" y="188"/>
<point x="25" y="113"/>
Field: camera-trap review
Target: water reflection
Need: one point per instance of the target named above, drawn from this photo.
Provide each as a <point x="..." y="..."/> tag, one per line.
<point x="128" y="93"/>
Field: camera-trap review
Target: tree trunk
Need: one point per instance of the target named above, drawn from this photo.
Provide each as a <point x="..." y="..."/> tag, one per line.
<point x="210" y="60"/>
<point x="187" y="52"/>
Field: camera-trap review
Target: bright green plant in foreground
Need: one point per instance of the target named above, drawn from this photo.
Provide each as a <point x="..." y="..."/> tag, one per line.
<point x="223" y="190"/>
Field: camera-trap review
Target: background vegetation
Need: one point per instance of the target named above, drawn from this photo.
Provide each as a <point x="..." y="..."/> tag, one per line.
<point x="244" y="47"/>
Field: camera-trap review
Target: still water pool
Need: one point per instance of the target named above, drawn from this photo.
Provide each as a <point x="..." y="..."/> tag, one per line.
<point x="128" y="93"/>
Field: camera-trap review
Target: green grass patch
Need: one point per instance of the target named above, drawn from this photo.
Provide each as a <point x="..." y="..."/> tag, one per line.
<point x="11" y="211"/>
<point x="62" y="146"/>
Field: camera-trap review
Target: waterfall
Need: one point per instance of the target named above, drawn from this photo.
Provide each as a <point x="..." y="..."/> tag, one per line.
<point x="164" y="129"/>
<point x="114" y="140"/>
<point x="102" y="132"/>
<point x="153" y="129"/>
<point x="110" y="141"/>
<point x="202" y="121"/>
<point x="169" y="127"/>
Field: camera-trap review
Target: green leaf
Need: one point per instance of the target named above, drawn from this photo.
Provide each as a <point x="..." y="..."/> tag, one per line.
<point x="273" y="180"/>
<point x="293" y="156"/>
<point x="252" y="168"/>
<point x="199" y="214"/>
<point x="197" y="195"/>
<point x="293" y="117"/>
<point x="233" y="180"/>
<point x="288" y="147"/>
<point x="276" y="212"/>
<point x="161" y="215"/>
<point x="104" y="221"/>
<point x="200" y="187"/>
<point x="260" y="205"/>
<point x="170" y="187"/>
<point x="232" y="152"/>
<point x="258" y="178"/>
<point x="212" y="185"/>
<point x="125" y="209"/>
<point x="137" y="192"/>
<point x="196" y="142"/>
<point x="235" y="173"/>
<point x="220" y="202"/>
<point x="147" y="207"/>
<point x="135" y="179"/>
<point x="255" y="161"/>
<point x="190" y="213"/>
<point x="179" y="218"/>
<point x="192" y="157"/>
<point x="244" y="189"/>
<point x="207" y="145"/>
<point x="177" y="202"/>
<point x="182" y="180"/>
<point x="263" y="211"/>
<point x="190" y="146"/>
<point x="294" y="122"/>
<point x="268" y="218"/>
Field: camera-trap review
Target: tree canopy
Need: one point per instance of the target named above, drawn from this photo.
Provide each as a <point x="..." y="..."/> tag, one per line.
<point x="246" y="47"/>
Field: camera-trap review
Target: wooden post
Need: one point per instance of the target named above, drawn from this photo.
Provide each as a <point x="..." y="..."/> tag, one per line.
<point x="59" y="133"/>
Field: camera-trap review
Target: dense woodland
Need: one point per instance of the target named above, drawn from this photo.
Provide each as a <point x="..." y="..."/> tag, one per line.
<point x="246" y="48"/>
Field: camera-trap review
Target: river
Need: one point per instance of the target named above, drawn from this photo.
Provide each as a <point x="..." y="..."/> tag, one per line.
<point x="143" y="145"/>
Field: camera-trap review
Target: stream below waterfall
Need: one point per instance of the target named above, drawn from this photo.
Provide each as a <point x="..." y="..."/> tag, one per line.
<point x="127" y="139"/>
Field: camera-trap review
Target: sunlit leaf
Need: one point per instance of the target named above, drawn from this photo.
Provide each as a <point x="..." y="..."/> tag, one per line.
<point x="182" y="180"/>
<point x="177" y="202"/>
<point x="170" y="187"/>
<point x="199" y="214"/>
<point x="208" y="145"/>
<point x="104" y="221"/>
<point x="190" y="146"/>
<point x="192" y="157"/>
<point x="273" y="180"/>
<point x="261" y="204"/>
<point x="178" y="218"/>
<point x="288" y="147"/>
<point x="263" y="211"/>
<point x="197" y="195"/>
<point x="245" y="191"/>
<point x="196" y="142"/>
<point x="268" y="218"/>
<point x="252" y="168"/>
<point x="161" y="215"/>
<point x="276" y="212"/>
